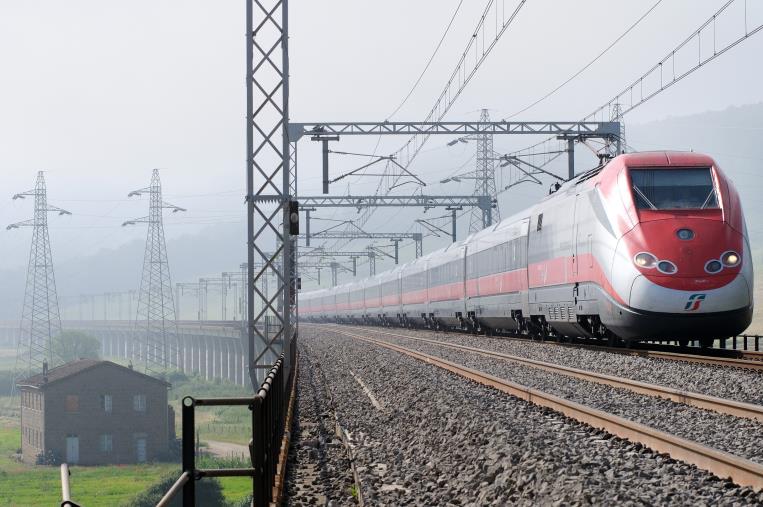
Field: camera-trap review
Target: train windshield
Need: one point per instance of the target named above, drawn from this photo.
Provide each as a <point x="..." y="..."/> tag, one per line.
<point x="668" y="188"/>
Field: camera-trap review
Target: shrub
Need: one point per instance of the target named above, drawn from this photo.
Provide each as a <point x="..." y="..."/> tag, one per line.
<point x="208" y="492"/>
<point x="49" y="458"/>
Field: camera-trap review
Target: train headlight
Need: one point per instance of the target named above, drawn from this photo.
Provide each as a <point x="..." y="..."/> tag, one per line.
<point x="713" y="266"/>
<point x="666" y="267"/>
<point x="731" y="259"/>
<point x="685" y="234"/>
<point x="645" y="260"/>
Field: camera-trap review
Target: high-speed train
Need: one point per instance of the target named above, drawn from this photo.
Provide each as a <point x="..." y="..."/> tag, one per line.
<point x="649" y="246"/>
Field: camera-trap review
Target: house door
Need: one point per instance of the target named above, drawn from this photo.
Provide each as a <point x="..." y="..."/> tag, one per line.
<point x="72" y="450"/>
<point x="140" y="449"/>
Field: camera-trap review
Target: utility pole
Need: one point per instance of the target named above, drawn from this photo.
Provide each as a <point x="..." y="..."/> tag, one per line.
<point x="40" y="317"/>
<point x="155" y="317"/>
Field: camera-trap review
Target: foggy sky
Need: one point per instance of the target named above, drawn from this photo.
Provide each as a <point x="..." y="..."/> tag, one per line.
<point x="98" y="93"/>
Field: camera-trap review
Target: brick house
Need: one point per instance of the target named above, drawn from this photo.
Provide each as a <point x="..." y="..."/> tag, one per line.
<point x="95" y="412"/>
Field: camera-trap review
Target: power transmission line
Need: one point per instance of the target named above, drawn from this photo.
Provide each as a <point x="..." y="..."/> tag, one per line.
<point x="40" y="317"/>
<point x="155" y="317"/>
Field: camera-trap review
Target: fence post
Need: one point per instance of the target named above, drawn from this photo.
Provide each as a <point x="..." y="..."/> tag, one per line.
<point x="256" y="453"/>
<point x="189" y="454"/>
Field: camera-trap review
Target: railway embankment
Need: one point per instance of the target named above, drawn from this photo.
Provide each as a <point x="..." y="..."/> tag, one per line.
<point x="423" y="435"/>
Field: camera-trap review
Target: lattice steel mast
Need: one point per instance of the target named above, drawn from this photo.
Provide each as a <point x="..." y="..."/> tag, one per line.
<point x="484" y="184"/>
<point x="40" y="317"/>
<point x="155" y="317"/>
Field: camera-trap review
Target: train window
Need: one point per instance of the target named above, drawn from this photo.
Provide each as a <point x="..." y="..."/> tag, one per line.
<point x="668" y="188"/>
<point x="540" y="222"/>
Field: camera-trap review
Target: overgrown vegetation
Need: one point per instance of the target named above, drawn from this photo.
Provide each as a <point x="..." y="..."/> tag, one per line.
<point x="72" y="345"/>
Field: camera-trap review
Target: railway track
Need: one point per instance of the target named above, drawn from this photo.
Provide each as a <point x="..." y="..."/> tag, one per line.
<point x="722" y="464"/>
<point x="714" y="403"/>
<point x="745" y="359"/>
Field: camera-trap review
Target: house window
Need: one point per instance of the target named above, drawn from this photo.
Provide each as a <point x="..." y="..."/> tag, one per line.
<point x="139" y="402"/>
<point x="106" y="403"/>
<point x="72" y="403"/>
<point x="106" y="443"/>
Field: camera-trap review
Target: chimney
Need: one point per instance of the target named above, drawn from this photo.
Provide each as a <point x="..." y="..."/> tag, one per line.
<point x="45" y="371"/>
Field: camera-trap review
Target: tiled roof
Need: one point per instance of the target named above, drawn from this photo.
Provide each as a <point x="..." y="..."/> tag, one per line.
<point x="73" y="368"/>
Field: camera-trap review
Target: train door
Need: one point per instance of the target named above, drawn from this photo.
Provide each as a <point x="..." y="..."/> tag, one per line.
<point x="583" y="240"/>
<point x="464" y="273"/>
<point x="575" y="239"/>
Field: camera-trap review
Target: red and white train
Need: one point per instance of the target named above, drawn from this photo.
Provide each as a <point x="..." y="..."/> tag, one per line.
<point x="649" y="246"/>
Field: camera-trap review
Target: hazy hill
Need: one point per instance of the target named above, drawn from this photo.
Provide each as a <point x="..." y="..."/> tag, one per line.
<point x="731" y="136"/>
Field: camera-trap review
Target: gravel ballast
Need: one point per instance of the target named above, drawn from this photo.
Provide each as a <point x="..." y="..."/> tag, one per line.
<point x="433" y="438"/>
<point x="318" y="469"/>
<point x="723" y="432"/>
<point x="723" y="382"/>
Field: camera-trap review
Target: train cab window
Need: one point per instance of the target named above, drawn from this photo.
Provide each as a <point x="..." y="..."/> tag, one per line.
<point x="540" y="222"/>
<point x="670" y="188"/>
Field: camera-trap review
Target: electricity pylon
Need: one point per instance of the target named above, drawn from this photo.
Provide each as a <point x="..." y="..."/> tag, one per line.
<point x="617" y="115"/>
<point x="40" y="317"/>
<point x="484" y="183"/>
<point x="155" y="319"/>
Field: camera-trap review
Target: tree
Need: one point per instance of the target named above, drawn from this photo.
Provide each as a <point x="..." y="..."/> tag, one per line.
<point x="73" y="345"/>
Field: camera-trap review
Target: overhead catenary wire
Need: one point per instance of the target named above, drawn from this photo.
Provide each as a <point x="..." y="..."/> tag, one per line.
<point x="587" y="65"/>
<point x="429" y="62"/>
<point x="477" y="50"/>
<point x="666" y="69"/>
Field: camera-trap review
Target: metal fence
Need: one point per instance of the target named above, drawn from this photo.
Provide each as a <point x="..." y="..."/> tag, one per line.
<point x="268" y="408"/>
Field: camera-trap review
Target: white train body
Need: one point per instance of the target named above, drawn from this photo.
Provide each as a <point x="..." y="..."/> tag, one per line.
<point x="629" y="250"/>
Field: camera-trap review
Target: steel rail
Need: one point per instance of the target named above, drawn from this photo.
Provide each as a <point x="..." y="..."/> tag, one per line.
<point x="753" y="361"/>
<point x="752" y="355"/>
<point x="714" y="403"/>
<point x="748" y="360"/>
<point x="749" y="364"/>
<point x="722" y="464"/>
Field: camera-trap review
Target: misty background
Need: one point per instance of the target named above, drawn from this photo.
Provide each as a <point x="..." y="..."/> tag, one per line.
<point x="97" y="94"/>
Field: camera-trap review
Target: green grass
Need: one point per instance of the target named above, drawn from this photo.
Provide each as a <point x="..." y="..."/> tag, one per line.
<point x="31" y="486"/>
<point x="91" y="486"/>
<point x="224" y="424"/>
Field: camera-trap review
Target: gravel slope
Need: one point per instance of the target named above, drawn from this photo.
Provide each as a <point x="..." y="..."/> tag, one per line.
<point x="438" y="439"/>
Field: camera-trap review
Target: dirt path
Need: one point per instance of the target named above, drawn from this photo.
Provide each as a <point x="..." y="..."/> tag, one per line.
<point x="226" y="449"/>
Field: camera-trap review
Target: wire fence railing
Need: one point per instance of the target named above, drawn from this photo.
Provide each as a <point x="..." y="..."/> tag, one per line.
<point x="269" y="408"/>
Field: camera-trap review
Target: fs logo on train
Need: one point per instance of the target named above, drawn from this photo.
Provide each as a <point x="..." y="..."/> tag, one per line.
<point x="694" y="302"/>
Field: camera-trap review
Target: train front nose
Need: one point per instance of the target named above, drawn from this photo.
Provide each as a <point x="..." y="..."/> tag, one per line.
<point x="687" y="265"/>
<point x="678" y="288"/>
